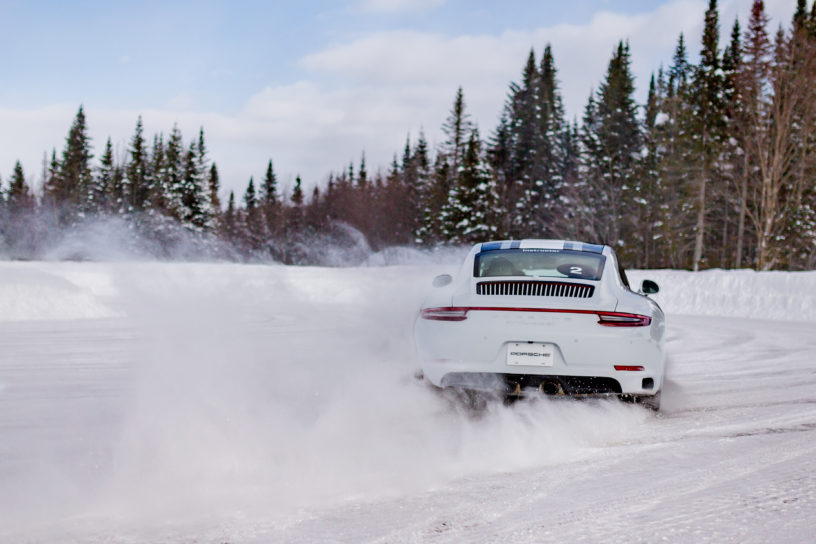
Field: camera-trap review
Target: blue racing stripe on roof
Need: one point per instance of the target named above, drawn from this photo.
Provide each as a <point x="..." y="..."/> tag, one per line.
<point x="592" y="248"/>
<point x="492" y="246"/>
<point x="572" y="246"/>
<point x="515" y="244"/>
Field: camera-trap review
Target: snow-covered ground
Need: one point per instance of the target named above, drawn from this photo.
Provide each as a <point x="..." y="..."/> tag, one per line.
<point x="181" y="403"/>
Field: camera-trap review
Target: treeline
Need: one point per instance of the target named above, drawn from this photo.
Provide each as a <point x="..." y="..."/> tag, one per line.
<point x="717" y="169"/>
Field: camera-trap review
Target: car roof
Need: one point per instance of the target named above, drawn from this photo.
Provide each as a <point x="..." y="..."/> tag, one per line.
<point x="542" y="244"/>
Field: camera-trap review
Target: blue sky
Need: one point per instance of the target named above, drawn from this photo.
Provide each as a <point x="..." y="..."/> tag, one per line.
<point x="308" y="84"/>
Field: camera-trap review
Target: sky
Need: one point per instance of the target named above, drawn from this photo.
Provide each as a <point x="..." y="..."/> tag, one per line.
<point x="310" y="85"/>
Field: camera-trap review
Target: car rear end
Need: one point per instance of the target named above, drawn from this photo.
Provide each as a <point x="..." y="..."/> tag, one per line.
<point x="557" y="332"/>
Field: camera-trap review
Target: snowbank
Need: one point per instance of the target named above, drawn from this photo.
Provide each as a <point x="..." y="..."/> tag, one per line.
<point x="787" y="296"/>
<point x="67" y="290"/>
<point x="55" y="291"/>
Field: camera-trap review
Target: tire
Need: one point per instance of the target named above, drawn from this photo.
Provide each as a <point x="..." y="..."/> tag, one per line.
<point x="652" y="402"/>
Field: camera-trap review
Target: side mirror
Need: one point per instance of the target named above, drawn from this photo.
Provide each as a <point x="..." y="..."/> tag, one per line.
<point x="648" y="287"/>
<point x="442" y="280"/>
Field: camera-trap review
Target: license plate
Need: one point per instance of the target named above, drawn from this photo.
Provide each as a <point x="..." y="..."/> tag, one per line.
<point x="530" y="354"/>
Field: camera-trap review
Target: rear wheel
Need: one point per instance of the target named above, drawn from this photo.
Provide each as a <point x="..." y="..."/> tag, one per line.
<point x="652" y="402"/>
<point x="472" y="400"/>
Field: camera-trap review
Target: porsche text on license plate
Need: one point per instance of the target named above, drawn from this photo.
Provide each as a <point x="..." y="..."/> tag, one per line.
<point x="526" y="354"/>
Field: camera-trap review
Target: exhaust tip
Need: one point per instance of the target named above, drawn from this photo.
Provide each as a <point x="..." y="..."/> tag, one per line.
<point x="550" y="387"/>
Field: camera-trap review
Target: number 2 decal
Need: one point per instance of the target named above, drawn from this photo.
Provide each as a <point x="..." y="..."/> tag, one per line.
<point x="576" y="270"/>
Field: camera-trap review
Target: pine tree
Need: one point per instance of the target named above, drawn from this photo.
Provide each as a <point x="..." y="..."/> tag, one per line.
<point x="709" y="115"/>
<point x="362" y="177"/>
<point x="136" y="183"/>
<point x="650" y="189"/>
<point x="173" y="183"/>
<point x="498" y="154"/>
<point x="421" y="195"/>
<point x="431" y="232"/>
<point x="731" y="61"/>
<point x="203" y="214"/>
<point x="552" y="162"/>
<point x="405" y="198"/>
<point x="568" y="224"/>
<point x="735" y="143"/>
<point x="753" y="84"/>
<point x="103" y="186"/>
<point x="269" y="199"/>
<point x="269" y="187"/>
<point x="230" y="228"/>
<point x="19" y="223"/>
<point x="680" y="68"/>
<point x="523" y="114"/>
<point x="314" y="211"/>
<point x="214" y="184"/>
<point x="673" y="134"/>
<point x="297" y="192"/>
<point x="456" y="128"/>
<point x="156" y="178"/>
<point x="250" y="201"/>
<point x="255" y="232"/>
<point x="20" y="200"/>
<point x="612" y="140"/>
<point x="73" y="192"/>
<point x="800" y="15"/>
<point x="295" y="219"/>
<point x="52" y="188"/>
<point x="468" y="213"/>
<point x="195" y="198"/>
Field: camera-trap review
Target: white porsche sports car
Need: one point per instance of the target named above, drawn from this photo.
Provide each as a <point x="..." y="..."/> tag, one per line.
<point x="551" y="316"/>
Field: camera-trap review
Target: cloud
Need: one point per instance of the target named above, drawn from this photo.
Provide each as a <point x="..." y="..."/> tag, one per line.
<point x="368" y="93"/>
<point x="485" y="64"/>
<point x="182" y="101"/>
<point x="398" y="6"/>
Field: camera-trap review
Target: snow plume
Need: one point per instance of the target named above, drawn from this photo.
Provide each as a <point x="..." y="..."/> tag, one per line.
<point x="143" y="238"/>
<point x="443" y="255"/>
<point x="252" y="391"/>
<point x="340" y="245"/>
<point x="148" y="237"/>
<point x="111" y="238"/>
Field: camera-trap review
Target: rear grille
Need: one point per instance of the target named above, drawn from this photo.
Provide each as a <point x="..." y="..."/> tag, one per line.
<point x="534" y="289"/>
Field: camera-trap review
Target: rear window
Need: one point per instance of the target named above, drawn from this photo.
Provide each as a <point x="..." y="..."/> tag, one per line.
<point x="546" y="263"/>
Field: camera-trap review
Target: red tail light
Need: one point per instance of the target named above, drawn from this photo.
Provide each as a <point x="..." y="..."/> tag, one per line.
<point x="619" y="319"/>
<point x="445" y="314"/>
<point x="630" y="368"/>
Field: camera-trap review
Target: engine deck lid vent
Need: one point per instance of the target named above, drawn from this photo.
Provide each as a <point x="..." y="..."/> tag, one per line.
<point x="535" y="289"/>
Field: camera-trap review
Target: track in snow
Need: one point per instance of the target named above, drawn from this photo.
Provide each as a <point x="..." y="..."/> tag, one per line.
<point x="207" y="403"/>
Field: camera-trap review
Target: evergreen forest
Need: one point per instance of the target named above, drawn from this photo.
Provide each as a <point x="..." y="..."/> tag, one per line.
<point x="716" y="169"/>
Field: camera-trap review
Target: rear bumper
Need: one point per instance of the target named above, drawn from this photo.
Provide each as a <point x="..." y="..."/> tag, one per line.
<point x="521" y="383"/>
<point x="473" y="353"/>
<point x="497" y="378"/>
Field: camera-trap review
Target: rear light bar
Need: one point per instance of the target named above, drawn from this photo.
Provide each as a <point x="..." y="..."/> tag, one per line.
<point x="630" y="368"/>
<point x="607" y="319"/>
